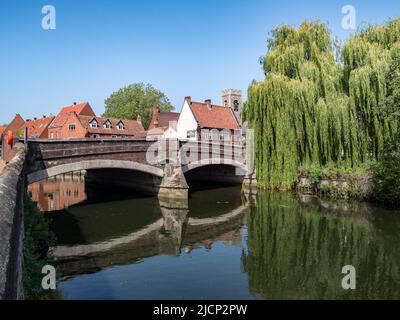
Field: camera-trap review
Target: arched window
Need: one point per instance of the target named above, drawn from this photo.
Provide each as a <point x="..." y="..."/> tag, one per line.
<point x="236" y="105"/>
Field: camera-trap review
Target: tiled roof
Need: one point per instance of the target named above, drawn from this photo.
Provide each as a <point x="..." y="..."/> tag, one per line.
<point x="131" y="127"/>
<point x="163" y="119"/>
<point x="213" y="116"/>
<point x="79" y="109"/>
<point x="37" y="127"/>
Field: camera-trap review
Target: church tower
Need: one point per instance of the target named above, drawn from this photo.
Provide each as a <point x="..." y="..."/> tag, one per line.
<point x="232" y="98"/>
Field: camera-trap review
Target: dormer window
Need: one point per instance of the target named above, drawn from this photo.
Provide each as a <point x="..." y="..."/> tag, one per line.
<point x="120" y="126"/>
<point x="107" y="125"/>
<point x="94" y="124"/>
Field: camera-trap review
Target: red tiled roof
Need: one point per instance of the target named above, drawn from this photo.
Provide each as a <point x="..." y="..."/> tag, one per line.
<point x="131" y="127"/>
<point x="79" y="109"/>
<point x="37" y="127"/>
<point x="213" y="116"/>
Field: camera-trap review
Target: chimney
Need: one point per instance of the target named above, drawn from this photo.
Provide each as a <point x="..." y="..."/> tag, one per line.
<point x="188" y="99"/>
<point x="139" y="119"/>
<point x="74" y="103"/>
<point x="208" y="103"/>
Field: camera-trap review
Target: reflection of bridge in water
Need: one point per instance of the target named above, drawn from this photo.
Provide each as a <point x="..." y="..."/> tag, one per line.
<point x="169" y="235"/>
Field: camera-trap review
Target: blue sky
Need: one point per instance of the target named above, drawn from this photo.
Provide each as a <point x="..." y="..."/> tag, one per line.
<point x="194" y="47"/>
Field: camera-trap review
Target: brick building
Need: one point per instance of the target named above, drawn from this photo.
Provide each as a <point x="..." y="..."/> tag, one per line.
<point x="37" y="128"/>
<point x="206" y="121"/>
<point x="162" y="123"/>
<point x="79" y="121"/>
<point x="15" y="125"/>
<point x="57" y="126"/>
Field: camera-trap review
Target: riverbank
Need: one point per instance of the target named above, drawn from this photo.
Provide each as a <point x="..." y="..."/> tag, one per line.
<point x="37" y="241"/>
<point x="338" y="183"/>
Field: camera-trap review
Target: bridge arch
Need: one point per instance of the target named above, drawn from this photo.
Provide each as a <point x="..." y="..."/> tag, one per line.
<point x="93" y="164"/>
<point x="206" y="162"/>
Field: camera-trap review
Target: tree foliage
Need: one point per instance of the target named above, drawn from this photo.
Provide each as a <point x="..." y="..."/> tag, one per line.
<point x="313" y="109"/>
<point x="388" y="167"/>
<point x="136" y="99"/>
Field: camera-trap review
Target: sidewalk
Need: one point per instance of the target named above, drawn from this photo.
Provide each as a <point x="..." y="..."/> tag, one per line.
<point x="2" y="165"/>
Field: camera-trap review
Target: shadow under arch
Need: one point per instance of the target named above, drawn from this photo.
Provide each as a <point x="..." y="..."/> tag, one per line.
<point x="93" y="164"/>
<point x="214" y="162"/>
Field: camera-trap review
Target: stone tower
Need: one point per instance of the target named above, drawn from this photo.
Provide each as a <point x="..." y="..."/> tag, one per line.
<point x="233" y="99"/>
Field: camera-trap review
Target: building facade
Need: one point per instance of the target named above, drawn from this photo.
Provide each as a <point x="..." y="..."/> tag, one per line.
<point x="56" y="128"/>
<point x="79" y="122"/>
<point x="37" y="128"/>
<point x="206" y="122"/>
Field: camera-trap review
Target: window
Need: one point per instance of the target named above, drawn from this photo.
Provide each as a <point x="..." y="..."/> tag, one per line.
<point x="205" y="134"/>
<point x="71" y="127"/>
<point x="236" y="105"/>
<point x="113" y="137"/>
<point x="120" y="126"/>
<point x="94" y="124"/>
<point x="225" y="135"/>
<point x="107" y="125"/>
<point x="191" y="134"/>
<point x="96" y="136"/>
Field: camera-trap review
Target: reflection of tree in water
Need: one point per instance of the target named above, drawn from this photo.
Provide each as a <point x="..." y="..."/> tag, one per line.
<point x="297" y="252"/>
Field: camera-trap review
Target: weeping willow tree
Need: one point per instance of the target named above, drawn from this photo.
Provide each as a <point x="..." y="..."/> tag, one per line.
<point x="313" y="109"/>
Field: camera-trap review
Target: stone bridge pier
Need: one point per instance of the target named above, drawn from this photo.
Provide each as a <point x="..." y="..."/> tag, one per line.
<point x="173" y="184"/>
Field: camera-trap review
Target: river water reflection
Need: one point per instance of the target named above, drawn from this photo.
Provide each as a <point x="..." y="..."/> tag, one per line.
<point x="224" y="246"/>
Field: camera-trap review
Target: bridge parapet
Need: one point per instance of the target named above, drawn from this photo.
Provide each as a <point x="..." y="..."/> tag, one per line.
<point x="11" y="226"/>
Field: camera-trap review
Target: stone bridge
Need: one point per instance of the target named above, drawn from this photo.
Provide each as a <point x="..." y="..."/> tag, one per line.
<point x="167" y="161"/>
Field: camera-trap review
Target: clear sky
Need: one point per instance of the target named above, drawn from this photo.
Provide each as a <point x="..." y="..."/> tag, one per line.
<point x="182" y="47"/>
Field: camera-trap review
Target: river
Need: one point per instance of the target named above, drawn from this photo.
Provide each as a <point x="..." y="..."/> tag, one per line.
<point x="112" y="244"/>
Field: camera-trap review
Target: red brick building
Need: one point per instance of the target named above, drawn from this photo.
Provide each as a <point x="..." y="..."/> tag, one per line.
<point x="37" y="128"/>
<point x="56" y="127"/>
<point x="15" y="125"/>
<point x="79" y="121"/>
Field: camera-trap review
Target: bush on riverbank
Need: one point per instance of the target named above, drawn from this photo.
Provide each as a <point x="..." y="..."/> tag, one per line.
<point x="338" y="182"/>
<point x="37" y="240"/>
